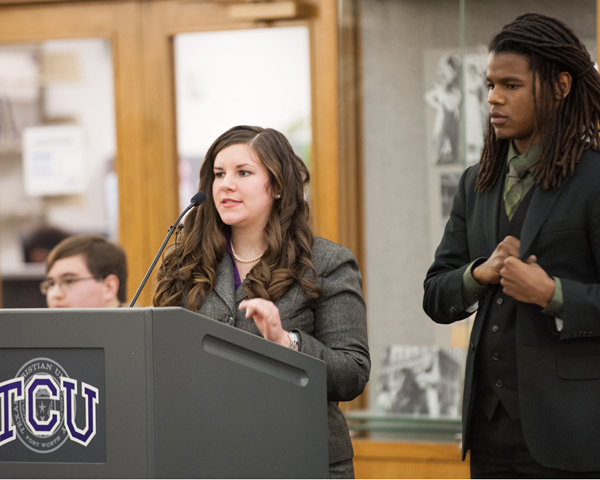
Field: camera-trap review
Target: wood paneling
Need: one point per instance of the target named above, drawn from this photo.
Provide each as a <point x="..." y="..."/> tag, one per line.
<point x="325" y="188"/>
<point x="408" y="460"/>
<point x="350" y="127"/>
<point x="137" y="218"/>
<point x="350" y="216"/>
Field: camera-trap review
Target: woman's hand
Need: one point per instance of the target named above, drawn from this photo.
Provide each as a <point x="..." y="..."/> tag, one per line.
<point x="266" y="317"/>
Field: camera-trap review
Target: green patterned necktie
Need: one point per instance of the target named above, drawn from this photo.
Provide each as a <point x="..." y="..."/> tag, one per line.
<point x="514" y="191"/>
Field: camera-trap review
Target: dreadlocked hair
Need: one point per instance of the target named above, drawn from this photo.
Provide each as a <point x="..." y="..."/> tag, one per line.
<point x="288" y="233"/>
<point x="568" y="127"/>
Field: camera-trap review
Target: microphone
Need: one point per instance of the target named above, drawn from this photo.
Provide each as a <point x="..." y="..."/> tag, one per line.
<point x="194" y="202"/>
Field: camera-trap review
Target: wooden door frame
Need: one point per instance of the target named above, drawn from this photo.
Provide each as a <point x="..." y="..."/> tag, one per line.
<point x="335" y="178"/>
<point x="120" y="23"/>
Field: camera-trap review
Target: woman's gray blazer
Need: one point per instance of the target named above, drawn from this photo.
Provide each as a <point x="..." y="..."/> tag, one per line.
<point x="332" y="328"/>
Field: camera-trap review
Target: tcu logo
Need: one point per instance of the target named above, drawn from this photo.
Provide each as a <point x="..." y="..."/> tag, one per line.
<point x="39" y="407"/>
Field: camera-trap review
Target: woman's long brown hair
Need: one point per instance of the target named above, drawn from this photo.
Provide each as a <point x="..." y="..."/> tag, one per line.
<point x="288" y="233"/>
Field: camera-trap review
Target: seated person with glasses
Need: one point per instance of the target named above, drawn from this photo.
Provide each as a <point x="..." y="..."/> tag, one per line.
<point x="85" y="271"/>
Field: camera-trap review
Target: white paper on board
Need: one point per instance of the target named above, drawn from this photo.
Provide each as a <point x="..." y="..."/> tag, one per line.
<point x="53" y="160"/>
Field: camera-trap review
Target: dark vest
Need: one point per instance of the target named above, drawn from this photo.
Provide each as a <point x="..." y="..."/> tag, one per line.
<point x="496" y="363"/>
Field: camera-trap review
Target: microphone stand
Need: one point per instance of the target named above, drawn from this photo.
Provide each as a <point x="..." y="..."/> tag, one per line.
<point x="194" y="203"/>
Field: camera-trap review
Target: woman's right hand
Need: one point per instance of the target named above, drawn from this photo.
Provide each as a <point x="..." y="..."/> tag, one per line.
<point x="266" y="317"/>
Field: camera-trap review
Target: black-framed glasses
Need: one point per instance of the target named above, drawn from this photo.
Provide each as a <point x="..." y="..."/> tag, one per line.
<point x="64" y="285"/>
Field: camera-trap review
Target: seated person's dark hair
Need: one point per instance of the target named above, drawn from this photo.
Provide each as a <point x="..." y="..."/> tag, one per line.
<point x="38" y="244"/>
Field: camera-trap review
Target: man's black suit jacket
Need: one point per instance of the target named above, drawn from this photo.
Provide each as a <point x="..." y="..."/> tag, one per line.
<point x="558" y="372"/>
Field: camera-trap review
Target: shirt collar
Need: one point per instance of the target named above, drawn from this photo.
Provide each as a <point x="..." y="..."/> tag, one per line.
<point x="528" y="158"/>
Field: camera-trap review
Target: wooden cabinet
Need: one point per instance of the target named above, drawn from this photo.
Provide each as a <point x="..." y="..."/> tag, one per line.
<point x="378" y="459"/>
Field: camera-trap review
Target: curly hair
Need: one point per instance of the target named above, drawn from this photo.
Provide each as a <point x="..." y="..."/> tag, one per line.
<point x="191" y="266"/>
<point x="566" y="129"/>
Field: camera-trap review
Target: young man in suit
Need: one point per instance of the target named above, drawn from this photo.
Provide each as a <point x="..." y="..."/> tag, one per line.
<point x="522" y="248"/>
<point x="85" y="271"/>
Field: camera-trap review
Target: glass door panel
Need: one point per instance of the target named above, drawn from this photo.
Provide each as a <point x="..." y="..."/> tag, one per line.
<point x="239" y="77"/>
<point x="57" y="152"/>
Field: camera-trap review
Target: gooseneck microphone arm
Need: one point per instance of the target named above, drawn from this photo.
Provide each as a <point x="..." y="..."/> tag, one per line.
<point x="194" y="202"/>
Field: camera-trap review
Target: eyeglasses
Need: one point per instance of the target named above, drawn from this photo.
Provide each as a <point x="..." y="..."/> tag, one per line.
<point x="64" y="285"/>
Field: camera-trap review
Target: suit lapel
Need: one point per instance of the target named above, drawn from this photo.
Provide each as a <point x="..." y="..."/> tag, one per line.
<point x="491" y="211"/>
<point x="240" y="294"/>
<point x="541" y="206"/>
<point x="225" y="287"/>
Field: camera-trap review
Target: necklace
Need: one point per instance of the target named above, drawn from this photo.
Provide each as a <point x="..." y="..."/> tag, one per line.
<point x="241" y="260"/>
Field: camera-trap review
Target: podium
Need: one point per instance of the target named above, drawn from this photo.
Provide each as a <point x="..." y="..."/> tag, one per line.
<point x="154" y="393"/>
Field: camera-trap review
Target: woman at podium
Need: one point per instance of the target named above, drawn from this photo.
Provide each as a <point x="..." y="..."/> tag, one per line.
<point x="249" y="258"/>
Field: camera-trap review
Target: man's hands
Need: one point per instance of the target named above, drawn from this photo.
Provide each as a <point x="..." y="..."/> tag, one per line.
<point x="524" y="281"/>
<point x="489" y="271"/>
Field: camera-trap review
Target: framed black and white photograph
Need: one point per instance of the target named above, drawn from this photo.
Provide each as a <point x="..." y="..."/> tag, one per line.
<point x="421" y="381"/>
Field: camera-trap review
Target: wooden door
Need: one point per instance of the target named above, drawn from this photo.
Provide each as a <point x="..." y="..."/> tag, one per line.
<point x="119" y="23"/>
<point x="163" y="19"/>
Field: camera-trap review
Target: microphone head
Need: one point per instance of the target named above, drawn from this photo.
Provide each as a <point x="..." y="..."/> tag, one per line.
<point x="198" y="198"/>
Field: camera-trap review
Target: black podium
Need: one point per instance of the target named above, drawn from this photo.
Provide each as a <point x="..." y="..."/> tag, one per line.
<point x="154" y="393"/>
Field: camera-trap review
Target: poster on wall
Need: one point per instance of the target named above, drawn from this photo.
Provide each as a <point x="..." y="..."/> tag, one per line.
<point x="476" y="105"/>
<point x="444" y="97"/>
<point x="448" y="188"/>
<point x="53" y="159"/>
<point x="421" y="381"/>
<point x="456" y="115"/>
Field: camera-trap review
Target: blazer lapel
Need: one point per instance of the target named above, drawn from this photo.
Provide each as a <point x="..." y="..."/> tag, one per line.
<point x="491" y="211"/>
<point x="225" y="287"/>
<point x="541" y="206"/>
<point x="240" y="294"/>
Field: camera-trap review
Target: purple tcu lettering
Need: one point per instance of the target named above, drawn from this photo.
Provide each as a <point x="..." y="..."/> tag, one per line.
<point x="42" y="428"/>
<point x="83" y="436"/>
<point x="10" y="391"/>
